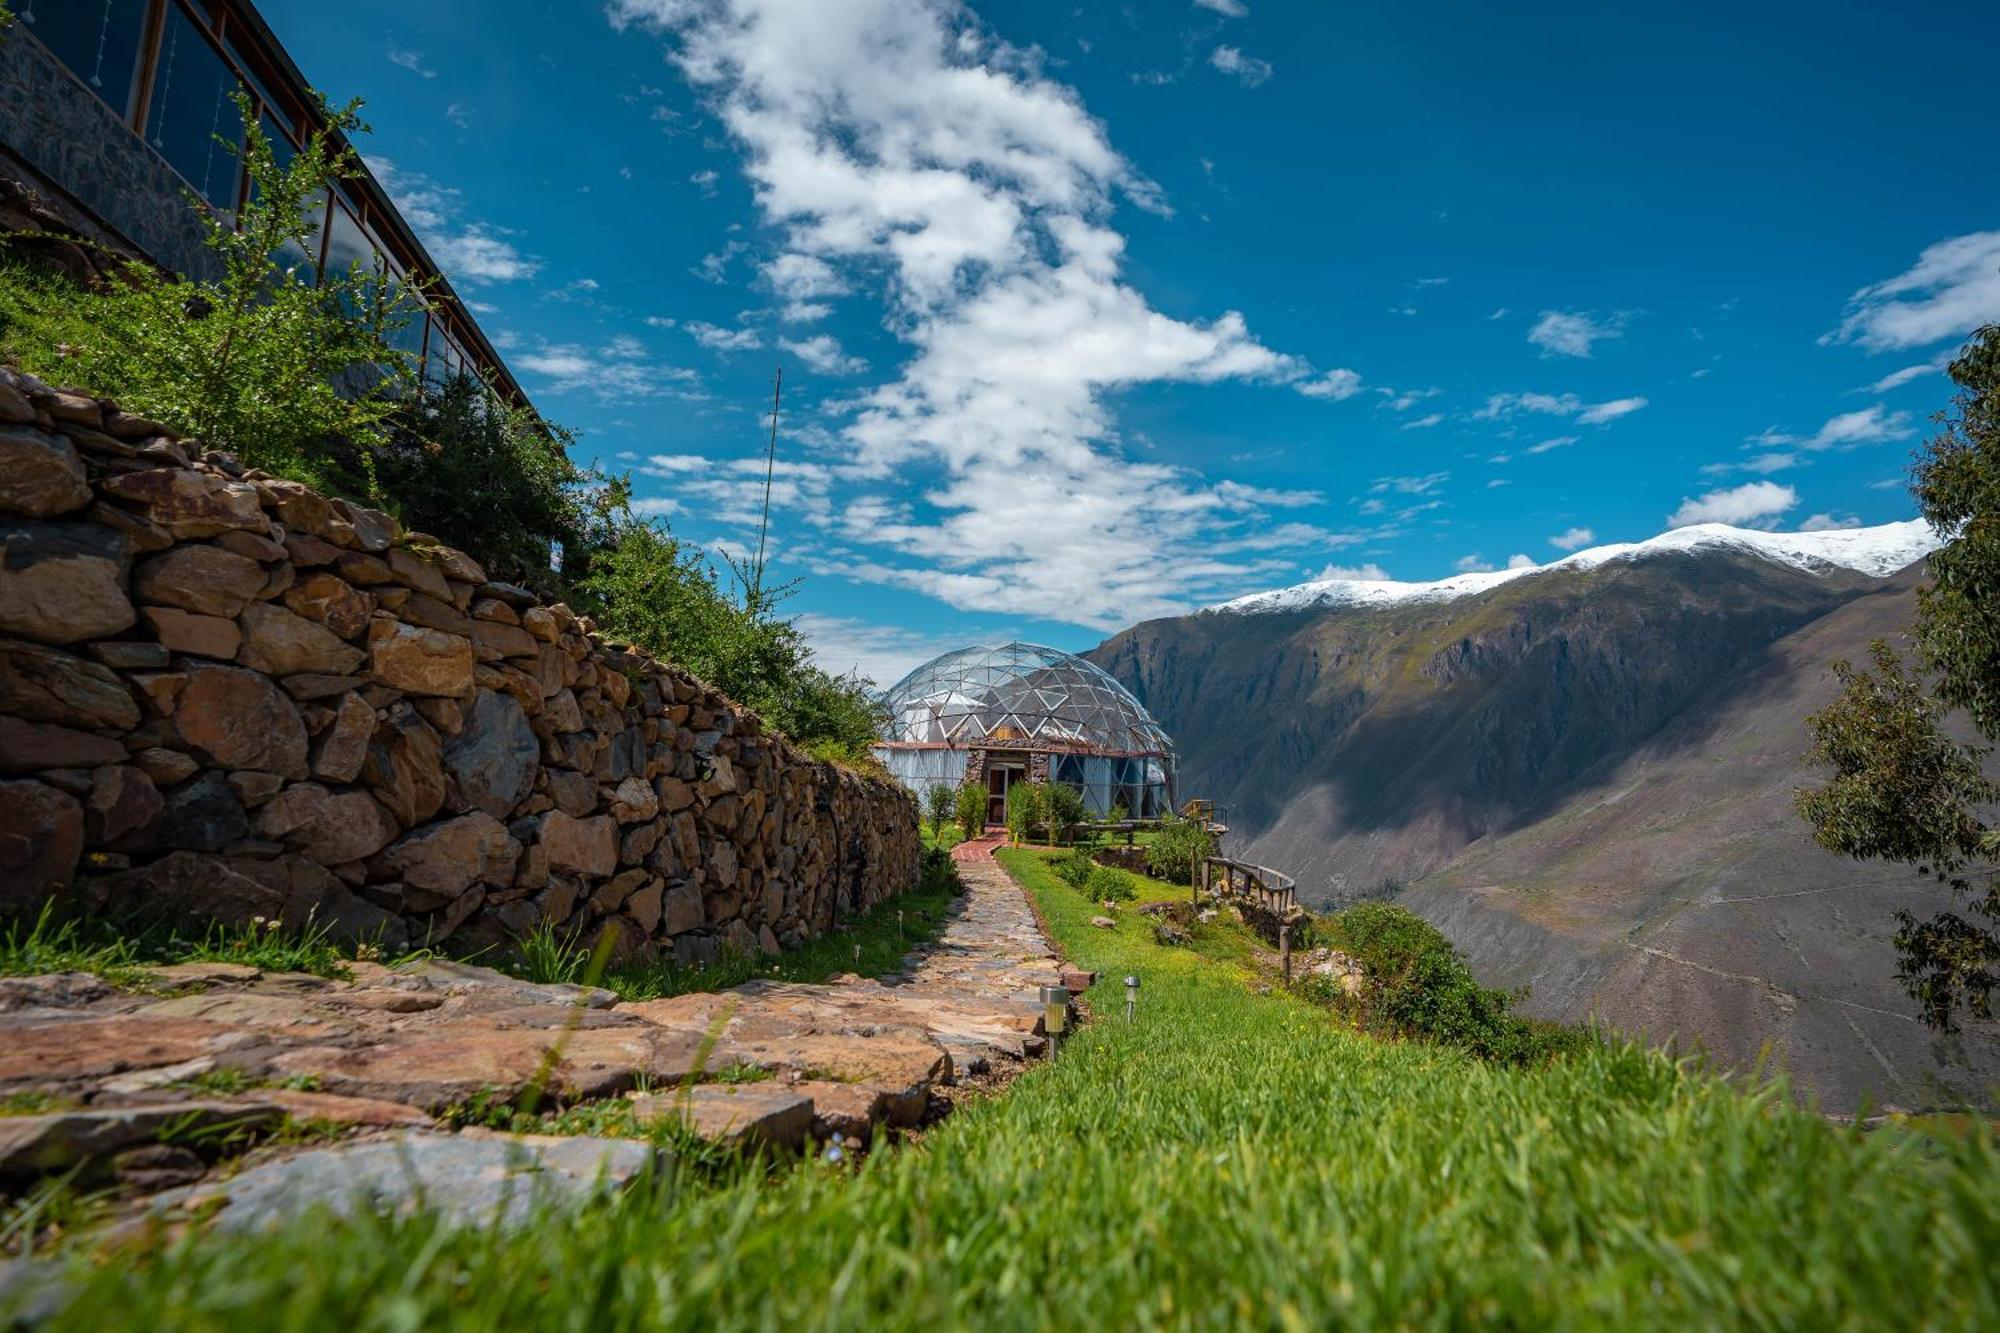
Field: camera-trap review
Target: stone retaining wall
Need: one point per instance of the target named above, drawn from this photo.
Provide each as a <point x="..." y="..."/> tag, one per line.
<point x="225" y="696"/>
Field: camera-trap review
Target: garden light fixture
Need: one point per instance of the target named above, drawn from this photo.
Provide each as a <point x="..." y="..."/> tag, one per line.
<point x="1131" y="995"/>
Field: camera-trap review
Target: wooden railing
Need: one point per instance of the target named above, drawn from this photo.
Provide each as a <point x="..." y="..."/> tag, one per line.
<point x="1273" y="890"/>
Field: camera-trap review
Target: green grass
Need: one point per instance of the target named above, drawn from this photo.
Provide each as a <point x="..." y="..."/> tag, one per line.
<point x="120" y="955"/>
<point x="1227" y="1160"/>
<point x="874" y="943"/>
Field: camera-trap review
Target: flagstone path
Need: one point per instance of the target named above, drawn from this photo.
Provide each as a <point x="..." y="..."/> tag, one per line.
<point x="396" y="1055"/>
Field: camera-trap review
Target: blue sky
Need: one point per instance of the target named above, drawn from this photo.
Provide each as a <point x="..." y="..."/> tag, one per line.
<point x="1090" y="313"/>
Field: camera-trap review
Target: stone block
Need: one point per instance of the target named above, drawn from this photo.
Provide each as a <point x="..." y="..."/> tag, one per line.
<point x="581" y="846"/>
<point x="62" y="582"/>
<point x="419" y="661"/>
<point x="200" y="578"/>
<point x="41" y="475"/>
<point x="239" y="719"/>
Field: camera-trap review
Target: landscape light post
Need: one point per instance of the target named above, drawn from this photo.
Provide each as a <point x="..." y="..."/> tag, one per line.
<point x="1055" y="1014"/>
<point x="1131" y="995"/>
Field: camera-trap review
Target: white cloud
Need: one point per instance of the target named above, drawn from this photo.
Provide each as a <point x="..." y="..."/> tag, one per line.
<point x="1896" y="379"/>
<point x="1559" y="442"/>
<point x="1762" y="465"/>
<point x="1520" y="561"/>
<point x="881" y="653"/>
<point x="1558" y="405"/>
<point x="1952" y="289"/>
<point x="619" y="371"/>
<point x="1829" y="523"/>
<point x="803" y="282"/>
<point x="1248" y="70"/>
<point x="1229" y="9"/>
<point x="1572" y="332"/>
<point x="1848" y="430"/>
<point x="901" y="140"/>
<point x="1869" y="425"/>
<point x="1423" y="485"/>
<point x="822" y="353"/>
<point x="1574" y="539"/>
<point x="1368" y="573"/>
<point x="469" y="253"/>
<point x="1472" y="564"/>
<point x="1753" y="504"/>
<point x="724" y="340"/>
<point x="1335" y="384"/>
<point x="412" y="61"/>
<point x="1501" y="313"/>
<point x="1404" y="399"/>
<point x="1424" y="422"/>
<point x="1599" y="413"/>
<point x="705" y="182"/>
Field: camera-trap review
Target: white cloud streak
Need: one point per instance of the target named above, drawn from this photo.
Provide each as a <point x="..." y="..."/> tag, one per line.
<point x="1247" y="70"/>
<point x="1952" y="289"/>
<point x="1572" y="332"/>
<point x="468" y="253"/>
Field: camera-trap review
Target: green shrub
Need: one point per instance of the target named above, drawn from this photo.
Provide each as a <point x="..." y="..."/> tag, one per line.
<point x="1025" y="805"/>
<point x="1420" y="986"/>
<point x="1073" y="868"/>
<point x="290" y="375"/>
<point x="972" y="809"/>
<point x="1178" y="849"/>
<point x="941" y="804"/>
<point x="1109" y="884"/>
<point x="1063" y="808"/>
<point x="650" y="589"/>
<point x="497" y="482"/>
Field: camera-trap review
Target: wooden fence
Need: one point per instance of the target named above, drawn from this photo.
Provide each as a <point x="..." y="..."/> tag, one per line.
<point x="1272" y="890"/>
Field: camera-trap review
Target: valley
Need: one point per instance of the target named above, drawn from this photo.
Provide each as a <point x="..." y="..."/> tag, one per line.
<point x="1585" y="777"/>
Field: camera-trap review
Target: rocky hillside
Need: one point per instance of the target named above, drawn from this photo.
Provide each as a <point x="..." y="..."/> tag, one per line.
<point x="1583" y="774"/>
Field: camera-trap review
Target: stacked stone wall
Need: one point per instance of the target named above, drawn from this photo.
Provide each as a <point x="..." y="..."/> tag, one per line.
<point x="225" y="696"/>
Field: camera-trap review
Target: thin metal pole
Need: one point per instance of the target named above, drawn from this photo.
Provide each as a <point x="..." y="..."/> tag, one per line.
<point x="770" y="467"/>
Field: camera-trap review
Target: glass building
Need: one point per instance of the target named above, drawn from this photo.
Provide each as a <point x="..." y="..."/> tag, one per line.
<point x="115" y="112"/>
<point x="997" y="714"/>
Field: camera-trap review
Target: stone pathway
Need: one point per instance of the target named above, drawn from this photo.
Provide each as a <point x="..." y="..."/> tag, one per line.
<point x="391" y="1054"/>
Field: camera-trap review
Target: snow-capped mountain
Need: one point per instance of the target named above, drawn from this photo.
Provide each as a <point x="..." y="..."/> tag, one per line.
<point x="1877" y="552"/>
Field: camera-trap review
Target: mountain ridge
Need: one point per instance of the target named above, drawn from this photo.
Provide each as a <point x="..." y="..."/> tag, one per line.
<point x="1877" y="551"/>
<point x="1585" y="780"/>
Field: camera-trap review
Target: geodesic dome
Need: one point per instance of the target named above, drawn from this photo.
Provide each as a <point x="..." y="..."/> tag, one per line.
<point x="1021" y="697"/>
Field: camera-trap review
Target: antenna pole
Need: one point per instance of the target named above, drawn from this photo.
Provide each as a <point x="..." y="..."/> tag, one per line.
<point x="770" y="465"/>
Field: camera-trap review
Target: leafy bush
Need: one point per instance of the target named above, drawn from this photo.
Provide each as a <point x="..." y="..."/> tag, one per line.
<point x="1420" y="986"/>
<point x="1178" y="850"/>
<point x="1107" y="883"/>
<point x="1063" y="808"/>
<point x="290" y="375"/>
<point x="1073" y="868"/>
<point x="497" y="482"/>
<point x="1024" y="809"/>
<point x="654" y="591"/>
<point x="972" y="809"/>
<point x="939" y="874"/>
<point x="941" y="804"/>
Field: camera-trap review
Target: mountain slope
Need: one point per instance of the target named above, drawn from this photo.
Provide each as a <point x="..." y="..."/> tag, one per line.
<point x="1587" y="775"/>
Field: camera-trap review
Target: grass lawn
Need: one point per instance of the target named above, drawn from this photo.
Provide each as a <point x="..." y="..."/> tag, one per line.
<point x="1229" y="1159"/>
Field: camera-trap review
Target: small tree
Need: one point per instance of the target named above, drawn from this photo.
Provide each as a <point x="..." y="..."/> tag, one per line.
<point x="1063" y="807"/>
<point x="1024" y="810"/>
<point x="942" y="803"/>
<point x="497" y="482"/>
<point x="1178" y="849"/>
<point x="289" y="374"/>
<point x="1902" y="789"/>
<point x="972" y="809"/>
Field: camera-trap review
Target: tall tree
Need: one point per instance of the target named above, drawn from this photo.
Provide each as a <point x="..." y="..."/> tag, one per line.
<point x="1904" y="788"/>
